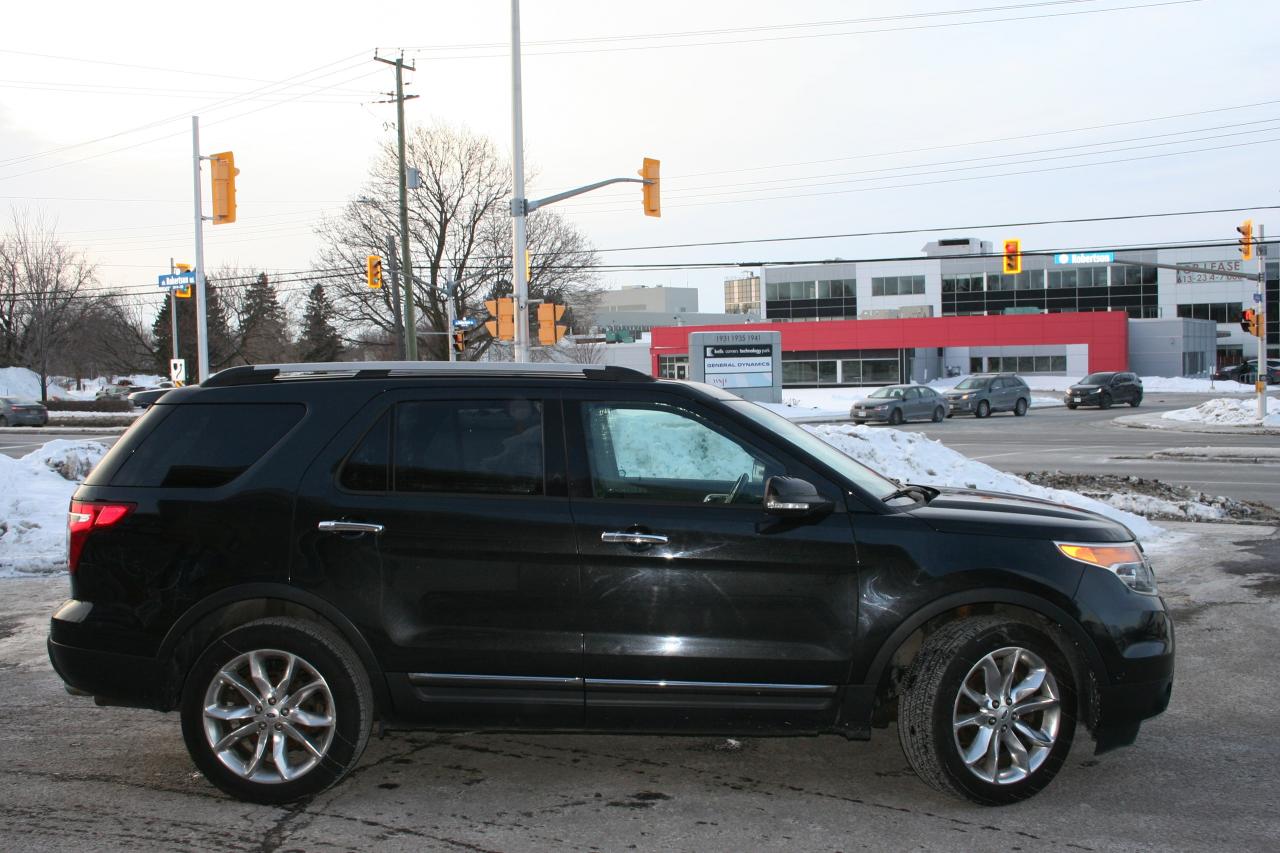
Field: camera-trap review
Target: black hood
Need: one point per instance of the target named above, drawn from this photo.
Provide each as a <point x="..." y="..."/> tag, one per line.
<point x="999" y="514"/>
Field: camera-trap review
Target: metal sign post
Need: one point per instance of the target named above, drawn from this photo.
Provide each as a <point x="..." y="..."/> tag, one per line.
<point x="202" y="324"/>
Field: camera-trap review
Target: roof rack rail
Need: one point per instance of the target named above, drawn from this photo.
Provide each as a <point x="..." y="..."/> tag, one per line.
<point x="257" y="374"/>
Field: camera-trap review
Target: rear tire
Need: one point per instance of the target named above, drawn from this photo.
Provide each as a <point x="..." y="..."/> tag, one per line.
<point x="294" y="724"/>
<point x="895" y="417"/>
<point x="983" y="410"/>
<point x="1020" y="407"/>
<point x="1015" y="726"/>
<point x="938" y="414"/>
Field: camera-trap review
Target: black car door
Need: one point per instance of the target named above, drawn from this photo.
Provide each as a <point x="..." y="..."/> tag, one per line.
<point x="443" y="518"/>
<point x="699" y="610"/>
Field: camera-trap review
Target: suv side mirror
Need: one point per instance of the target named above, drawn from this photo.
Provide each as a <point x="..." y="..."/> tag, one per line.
<point x="794" y="498"/>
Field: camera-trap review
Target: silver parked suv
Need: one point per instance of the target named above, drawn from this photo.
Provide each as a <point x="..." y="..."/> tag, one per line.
<point x="984" y="393"/>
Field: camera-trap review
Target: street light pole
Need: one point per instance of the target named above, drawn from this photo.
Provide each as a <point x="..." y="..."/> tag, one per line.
<point x="406" y="262"/>
<point x="519" y="274"/>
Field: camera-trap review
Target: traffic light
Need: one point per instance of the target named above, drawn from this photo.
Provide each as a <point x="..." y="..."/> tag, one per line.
<point x="459" y="342"/>
<point x="373" y="271"/>
<point x="503" y="311"/>
<point x="1250" y="321"/>
<point x="550" y="331"/>
<point x="1246" y="239"/>
<point x="224" y="187"/>
<point x="182" y="292"/>
<point x="1012" y="257"/>
<point x="652" y="187"/>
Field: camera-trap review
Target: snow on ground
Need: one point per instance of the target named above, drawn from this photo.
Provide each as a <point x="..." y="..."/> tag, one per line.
<point x="34" y="494"/>
<point x="1228" y="412"/>
<point x="914" y="458"/>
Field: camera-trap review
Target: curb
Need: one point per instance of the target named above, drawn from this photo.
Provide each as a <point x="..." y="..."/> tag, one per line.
<point x="64" y="430"/>
<point x="1159" y="423"/>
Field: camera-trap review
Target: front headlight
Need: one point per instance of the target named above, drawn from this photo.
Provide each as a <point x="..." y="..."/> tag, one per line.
<point x="1125" y="560"/>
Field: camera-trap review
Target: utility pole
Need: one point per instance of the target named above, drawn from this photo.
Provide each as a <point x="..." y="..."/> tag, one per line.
<point x="1261" y="377"/>
<point x="202" y="324"/>
<point x="406" y="262"/>
<point x="519" y="211"/>
<point x="393" y="266"/>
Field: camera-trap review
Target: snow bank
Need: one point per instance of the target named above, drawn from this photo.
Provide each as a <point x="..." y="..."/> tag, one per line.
<point x="25" y="384"/>
<point x="34" y="493"/>
<point x="1228" y="412"/>
<point x="913" y="458"/>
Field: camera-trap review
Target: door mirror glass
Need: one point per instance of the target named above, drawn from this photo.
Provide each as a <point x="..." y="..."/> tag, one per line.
<point x="794" y="497"/>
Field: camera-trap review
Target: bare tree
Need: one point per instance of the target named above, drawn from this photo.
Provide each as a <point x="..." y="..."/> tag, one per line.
<point x="460" y="228"/>
<point x="42" y="302"/>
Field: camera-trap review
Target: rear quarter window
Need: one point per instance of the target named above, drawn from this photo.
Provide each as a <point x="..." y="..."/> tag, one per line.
<point x="206" y="445"/>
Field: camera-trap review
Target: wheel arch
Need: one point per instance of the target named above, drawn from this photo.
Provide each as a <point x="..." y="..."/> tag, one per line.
<point x="899" y="650"/>
<point x="235" y="606"/>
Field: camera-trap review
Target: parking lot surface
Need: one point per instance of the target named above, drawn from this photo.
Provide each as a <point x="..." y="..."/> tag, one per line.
<point x="1201" y="777"/>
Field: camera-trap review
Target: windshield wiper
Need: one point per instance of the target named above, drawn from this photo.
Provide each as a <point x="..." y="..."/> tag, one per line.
<point x="923" y="494"/>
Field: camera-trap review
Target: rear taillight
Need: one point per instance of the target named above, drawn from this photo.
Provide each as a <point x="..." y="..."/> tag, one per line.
<point x="86" y="517"/>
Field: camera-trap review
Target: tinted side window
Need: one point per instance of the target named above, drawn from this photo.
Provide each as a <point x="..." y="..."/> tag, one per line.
<point x="367" y="469"/>
<point x="472" y="446"/>
<point x="205" y="445"/>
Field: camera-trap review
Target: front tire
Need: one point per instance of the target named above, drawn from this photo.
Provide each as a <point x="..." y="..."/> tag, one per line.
<point x="276" y="710"/>
<point x="895" y="417"/>
<point x="987" y="710"/>
<point x="983" y="410"/>
<point x="4" y="422"/>
<point x="938" y="414"/>
<point x="1071" y="405"/>
<point x="1104" y="402"/>
<point x="1136" y="401"/>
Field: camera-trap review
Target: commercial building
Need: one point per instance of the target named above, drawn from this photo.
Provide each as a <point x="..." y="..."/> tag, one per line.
<point x="636" y="309"/>
<point x="954" y="311"/>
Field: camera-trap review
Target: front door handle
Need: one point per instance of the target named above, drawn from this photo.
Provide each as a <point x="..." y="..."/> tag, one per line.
<point x="349" y="527"/>
<point x="629" y="538"/>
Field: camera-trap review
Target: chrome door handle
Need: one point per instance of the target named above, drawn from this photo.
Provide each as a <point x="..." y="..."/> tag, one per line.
<point x="634" y="538"/>
<point x="349" y="527"/>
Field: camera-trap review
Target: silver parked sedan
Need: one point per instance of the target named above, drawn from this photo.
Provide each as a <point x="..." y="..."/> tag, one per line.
<point x="897" y="403"/>
<point x="15" y="412"/>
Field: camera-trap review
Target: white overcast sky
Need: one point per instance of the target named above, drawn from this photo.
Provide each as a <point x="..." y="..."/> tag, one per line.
<point x="771" y="119"/>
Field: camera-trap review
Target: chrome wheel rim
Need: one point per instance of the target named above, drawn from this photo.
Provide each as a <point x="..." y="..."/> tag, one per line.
<point x="269" y="716"/>
<point x="1006" y="716"/>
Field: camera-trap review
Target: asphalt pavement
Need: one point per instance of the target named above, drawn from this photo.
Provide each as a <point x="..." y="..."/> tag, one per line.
<point x="1201" y="777"/>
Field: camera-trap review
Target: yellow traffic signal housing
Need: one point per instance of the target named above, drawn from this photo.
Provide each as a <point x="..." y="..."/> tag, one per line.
<point x="223" y="167"/>
<point x="373" y="271"/>
<point x="1012" y="257"/>
<point x="182" y="267"/>
<point x="1246" y="239"/>
<point x="550" y="331"/>
<point x="183" y="292"/>
<point x="652" y="187"/>
<point x="503" y="311"/>
<point x="1249" y="321"/>
<point x="459" y="342"/>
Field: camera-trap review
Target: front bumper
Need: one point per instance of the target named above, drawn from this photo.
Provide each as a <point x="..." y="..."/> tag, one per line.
<point x="956" y="406"/>
<point x="1090" y="399"/>
<point x="869" y="414"/>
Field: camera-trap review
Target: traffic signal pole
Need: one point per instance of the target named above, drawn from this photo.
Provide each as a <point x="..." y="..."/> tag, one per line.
<point x="202" y="325"/>
<point x="406" y="262"/>
<point x="1261" y="377"/>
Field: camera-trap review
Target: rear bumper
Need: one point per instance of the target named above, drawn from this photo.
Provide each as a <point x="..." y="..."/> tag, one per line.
<point x="118" y="677"/>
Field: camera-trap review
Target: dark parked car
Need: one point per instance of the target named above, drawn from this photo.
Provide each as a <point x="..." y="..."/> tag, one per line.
<point x="1249" y="372"/>
<point x="1104" y="389"/>
<point x="897" y="403"/>
<point x="16" y="412"/>
<point x="984" y="393"/>
<point x="287" y="554"/>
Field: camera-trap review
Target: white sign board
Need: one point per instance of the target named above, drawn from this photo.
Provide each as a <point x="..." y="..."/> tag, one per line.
<point x="1210" y="270"/>
<point x="738" y="365"/>
<point x="178" y="369"/>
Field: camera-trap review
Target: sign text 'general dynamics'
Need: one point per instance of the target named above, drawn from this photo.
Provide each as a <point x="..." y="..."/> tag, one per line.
<point x="738" y="365"/>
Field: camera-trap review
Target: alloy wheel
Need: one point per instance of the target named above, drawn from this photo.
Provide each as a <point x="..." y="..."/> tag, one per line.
<point x="269" y="716"/>
<point x="1006" y="715"/>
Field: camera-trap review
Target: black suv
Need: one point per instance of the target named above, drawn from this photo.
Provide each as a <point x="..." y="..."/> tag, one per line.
<point x="288" y="554"/>
<point x="1104" y="389"/>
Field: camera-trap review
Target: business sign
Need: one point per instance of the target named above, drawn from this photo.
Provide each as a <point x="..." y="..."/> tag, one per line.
<point x="178" y="280"/>
<point x="738" y="365"/>
<point x="748" y="364"/>
<point x="1085" y="258"/>
<point x="1211" y="268"/>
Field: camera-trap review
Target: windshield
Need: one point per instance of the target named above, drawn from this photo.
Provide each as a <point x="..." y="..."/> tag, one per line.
<point x="972" y="382"/>
<point x="1096" y="379"/>
<point x="896" y="393"/>
<point x="846" y="466"/>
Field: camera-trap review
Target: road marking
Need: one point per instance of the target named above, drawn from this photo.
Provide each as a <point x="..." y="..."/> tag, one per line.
<point x="1031" y="450"/>
<point x="17" y="446"/>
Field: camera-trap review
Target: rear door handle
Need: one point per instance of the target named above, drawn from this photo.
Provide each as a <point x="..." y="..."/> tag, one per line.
<point x="349" y="527"/>
<point x="628" y="538"/>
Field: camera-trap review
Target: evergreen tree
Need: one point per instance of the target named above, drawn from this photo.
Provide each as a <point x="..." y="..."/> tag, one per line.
<point x="320" y="340"/>
<point x="264" y="327"/>
<point x="222" y="348"/>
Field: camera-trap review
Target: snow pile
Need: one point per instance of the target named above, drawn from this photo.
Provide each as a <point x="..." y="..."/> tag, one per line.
<point x="913" y="458"/>
<point x="34" y="494"/>
<point x="1224" y="411"/>
<point x="25" y="384"/>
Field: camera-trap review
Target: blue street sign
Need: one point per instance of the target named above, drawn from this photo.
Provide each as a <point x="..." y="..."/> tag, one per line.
<point x="177" y="280"/>
<point x="1257" y="297"/>
<point x="1085" y="258"/>
<point x="466" y="323"/>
